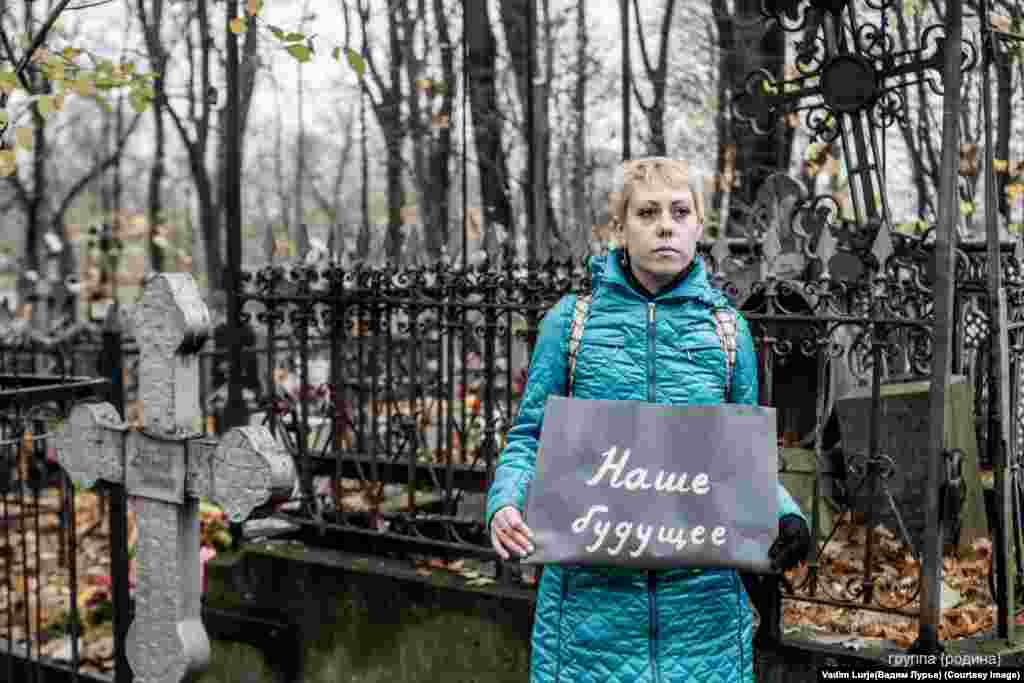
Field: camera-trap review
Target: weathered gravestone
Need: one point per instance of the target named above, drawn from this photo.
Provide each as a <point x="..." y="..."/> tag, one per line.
<point x="167" y="469"/>
<point x="797" y="473"/>
<point x="903" y="431"/>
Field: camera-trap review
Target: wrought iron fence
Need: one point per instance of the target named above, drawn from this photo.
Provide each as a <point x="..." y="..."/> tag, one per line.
<point x="398" y="386"/>
<point x="62" y="567"/>
<point x="397" y="390"/>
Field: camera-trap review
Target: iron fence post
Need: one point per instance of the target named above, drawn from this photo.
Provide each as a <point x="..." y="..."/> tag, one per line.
<point x="998" y="368"/>
<point x="119" y="576"/>
<point x="112" y="357"/>
<point x="931" y="565"/>
<point x="112" y="368"/>
<point x="234" y="410"/>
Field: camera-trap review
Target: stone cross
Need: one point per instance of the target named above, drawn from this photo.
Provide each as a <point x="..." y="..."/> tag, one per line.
<point x="167" y="469"/>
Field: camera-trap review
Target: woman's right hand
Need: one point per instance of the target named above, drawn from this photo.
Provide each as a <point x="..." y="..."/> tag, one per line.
<point x="509" y="533"/>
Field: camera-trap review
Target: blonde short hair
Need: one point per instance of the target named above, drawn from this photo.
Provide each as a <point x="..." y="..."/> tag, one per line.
<point x="663" y="172"/>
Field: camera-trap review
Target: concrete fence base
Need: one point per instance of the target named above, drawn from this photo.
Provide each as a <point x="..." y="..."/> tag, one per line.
<point x="323" y="616"/>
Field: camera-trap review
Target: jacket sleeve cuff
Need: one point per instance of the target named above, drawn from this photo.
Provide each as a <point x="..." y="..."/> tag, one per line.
<point x="499" y="498"/>
<point x="788" y="506"/>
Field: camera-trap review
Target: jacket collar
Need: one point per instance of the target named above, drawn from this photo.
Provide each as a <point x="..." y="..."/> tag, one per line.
<point x="608" y="269"/>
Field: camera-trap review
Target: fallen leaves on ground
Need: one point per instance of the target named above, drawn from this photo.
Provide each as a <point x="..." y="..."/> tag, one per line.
<point x="895" y="578"/>
<point x="35" y="577"/>
<point x="36" y="608"/>
<point x="475" y="572"/>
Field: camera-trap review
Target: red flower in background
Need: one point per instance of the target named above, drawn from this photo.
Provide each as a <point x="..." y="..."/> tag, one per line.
<point x="206" y="553"/>
<point x="519" y="378"/>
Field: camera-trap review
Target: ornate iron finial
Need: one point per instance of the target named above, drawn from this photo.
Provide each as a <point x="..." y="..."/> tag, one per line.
<point x="882" y="249"/>
<point x="720" y="254"/>
<point x="269" y="244"/>
<point x="332" y="244"/>
<point x="302" y="241"/>
<point x="826" y="249"/>
<point x="771" y="247"/>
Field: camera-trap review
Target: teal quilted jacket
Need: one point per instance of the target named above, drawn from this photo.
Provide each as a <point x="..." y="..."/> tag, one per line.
<point x="611" y="625"/>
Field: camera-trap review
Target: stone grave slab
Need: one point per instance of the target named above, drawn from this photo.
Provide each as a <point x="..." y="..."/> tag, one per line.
<point x="904" y="438"/>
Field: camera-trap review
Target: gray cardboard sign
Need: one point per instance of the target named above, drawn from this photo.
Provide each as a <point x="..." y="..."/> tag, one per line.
<point x="631" y="484"/>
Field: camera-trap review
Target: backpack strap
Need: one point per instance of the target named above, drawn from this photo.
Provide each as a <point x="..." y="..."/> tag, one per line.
<point x="579" y="321"/>
<point x="725" y="327"/>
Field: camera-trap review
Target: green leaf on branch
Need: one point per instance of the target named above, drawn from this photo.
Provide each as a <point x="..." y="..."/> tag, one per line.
<point x="8" y="163"/>
<point x="140" y="103"/>
<point x="294" y="37"/>
<point x="45" y="105"/>
<point x="8" y="81"/>
<point x="356" y="61"/>
<point x="300" y="52"/>
<point x="278" y="33"/>
<point x="23" y="137"/>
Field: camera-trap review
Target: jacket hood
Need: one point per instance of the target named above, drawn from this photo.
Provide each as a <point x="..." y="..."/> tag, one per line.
<point x="607" y="269"/>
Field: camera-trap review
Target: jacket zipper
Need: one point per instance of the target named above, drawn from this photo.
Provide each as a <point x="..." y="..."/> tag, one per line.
<point x="651" y="357"/>
<point x="651" y="577"/>
<point x="652" y="590"/>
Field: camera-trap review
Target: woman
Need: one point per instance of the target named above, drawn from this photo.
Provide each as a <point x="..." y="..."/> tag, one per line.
<point x="650" y="336"/>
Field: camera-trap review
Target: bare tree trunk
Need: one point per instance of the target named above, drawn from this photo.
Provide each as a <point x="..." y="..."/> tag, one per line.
<point x="298" y="234"/>
<point x="389" y="114"/>
<point x="723" y="166"/>
<point x="757" y="157"/>
<point x="284" y="197"/>
<point x="657" y="75"/>
<point x="300" y="167"/>
<point x="363" y="243"/>
<point x="330" y="201"/>
<point x="922" y="153"/>
<point x="247" y="82"/>
<point x="209" y="214"/>
<point x="549" y="226"/>
<point x="117" y="194"/>
<point x="100" y="165"/>
<point x="627" y="79"/>
<point x="1004" y="117"/>
<point x="483" y="97"/>
<point x="436" y="231"/>
<point x="35" y="208"/>
<point x="158" y="63"/>
<point x="514" y="17"/>
<point x="156" y="179"/>
<point x="579" y="175"/>
<point x="26" y="71"/>
<point x="430" y="133"/>
<point x="362" y="249"/>
<point x="418" y="127"/>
